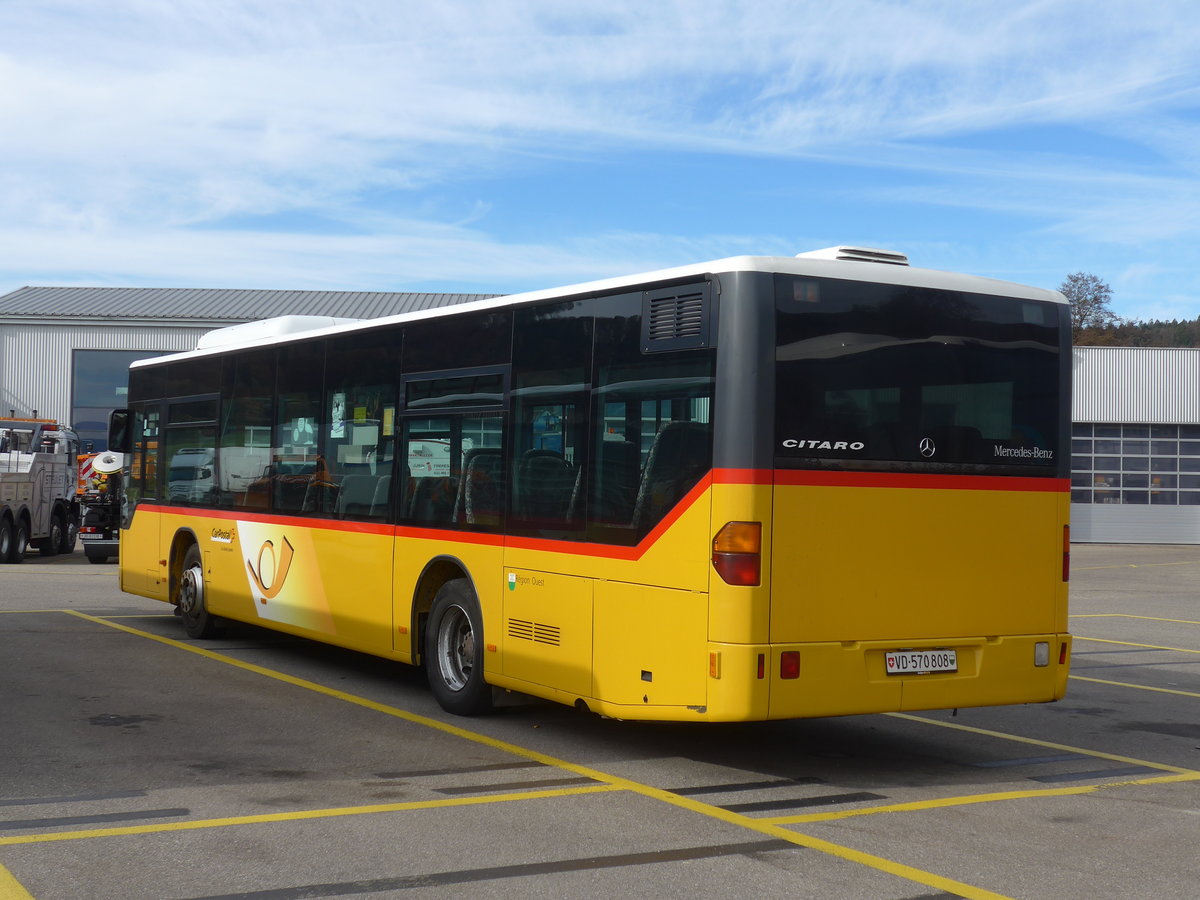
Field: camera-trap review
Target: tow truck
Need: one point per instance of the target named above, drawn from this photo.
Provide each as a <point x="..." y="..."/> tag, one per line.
<point x="38" y="478"/>
<point x="100" y="500"/>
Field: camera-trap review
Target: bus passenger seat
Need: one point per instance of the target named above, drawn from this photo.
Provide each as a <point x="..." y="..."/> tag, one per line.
<point x="544" y="484"/>
<point x="480" y="492"/>
<point x="354" y="499"/>
<point x="433" y="501"/>
<point x="381" y="496"/>
<point x="679" y="457"/>
<point x="616" y="483"/>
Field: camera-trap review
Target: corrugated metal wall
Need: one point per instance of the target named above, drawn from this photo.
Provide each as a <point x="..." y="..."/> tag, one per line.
<point x="35" y="360"/>
<point x="1136" y="385"/>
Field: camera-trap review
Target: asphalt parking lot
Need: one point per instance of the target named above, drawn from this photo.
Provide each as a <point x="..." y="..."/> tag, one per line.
<point x="136" y="763"/>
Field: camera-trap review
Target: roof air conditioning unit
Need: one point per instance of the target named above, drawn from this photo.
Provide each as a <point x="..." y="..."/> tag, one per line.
<point x="857" y="254"/>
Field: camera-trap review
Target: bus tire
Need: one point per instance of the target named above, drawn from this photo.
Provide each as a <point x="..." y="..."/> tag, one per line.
<point x="50" y="544"/>
<point x="454" y="651"/>
<point x="198" y="622"/>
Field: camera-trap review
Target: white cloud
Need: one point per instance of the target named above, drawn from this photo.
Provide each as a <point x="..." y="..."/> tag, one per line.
<point x="136" y="131"/>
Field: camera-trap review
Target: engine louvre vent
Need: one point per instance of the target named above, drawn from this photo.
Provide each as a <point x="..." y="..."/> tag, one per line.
<point x="676" y="318"/>
<point x="539" y="633"/>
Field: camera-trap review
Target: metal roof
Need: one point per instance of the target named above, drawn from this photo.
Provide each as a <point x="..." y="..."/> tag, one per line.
<point x="213" y="304"/>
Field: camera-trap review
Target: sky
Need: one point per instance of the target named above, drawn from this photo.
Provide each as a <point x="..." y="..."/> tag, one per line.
<point x="496" y="147"/>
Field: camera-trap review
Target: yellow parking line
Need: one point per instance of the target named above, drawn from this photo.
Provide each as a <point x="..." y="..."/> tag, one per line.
<point x="10" y="888"/>
<point x="1140" y="687"/>
<point x="1050" y="745"/>
<point x="941" y="802"/>
<point x="1128" y="616"/>
<point x="879" y="863"/>
<point x="296" y="815"/>
<point x="1132" y="644"/>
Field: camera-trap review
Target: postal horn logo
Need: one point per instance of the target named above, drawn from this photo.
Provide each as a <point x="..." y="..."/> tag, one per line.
<point x="271" y="570"/>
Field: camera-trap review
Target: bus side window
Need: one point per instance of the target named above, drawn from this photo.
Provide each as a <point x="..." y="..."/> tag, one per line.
<point x="652" y="444"/>
<point x="456" y="467"/>
<point x="297" y="453"/>
<point x="247" y="414"/>
<point x="552" y="370"/>
<point x="360" y="410"/>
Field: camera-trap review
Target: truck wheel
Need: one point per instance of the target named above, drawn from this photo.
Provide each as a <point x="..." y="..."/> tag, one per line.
<point x="454" y="651"/>
<point x="6" y="539"/>
<point x="70" y="534"/>
<point x="16" y="552"/>
<point x="197" y="621"/>
<point x="49" y="545"/>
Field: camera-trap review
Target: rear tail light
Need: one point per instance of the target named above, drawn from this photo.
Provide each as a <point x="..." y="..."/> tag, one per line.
<point x="737" y="553"/>
<point x="789" y="664"/>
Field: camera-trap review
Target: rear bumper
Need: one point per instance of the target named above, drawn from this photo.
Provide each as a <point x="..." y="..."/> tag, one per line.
<point x="849" y="678"/>
<point x="101" y="549"/>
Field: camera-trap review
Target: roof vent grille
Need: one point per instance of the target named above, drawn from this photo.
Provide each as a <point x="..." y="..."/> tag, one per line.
<point x="857" y="254"/>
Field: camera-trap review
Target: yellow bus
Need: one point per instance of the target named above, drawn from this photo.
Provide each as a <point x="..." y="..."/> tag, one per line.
<point x="756" y="488"/>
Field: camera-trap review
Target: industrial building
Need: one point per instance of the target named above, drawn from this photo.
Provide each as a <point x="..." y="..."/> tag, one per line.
<point x="1135" y="447"/>
<point x="65" y="351"/>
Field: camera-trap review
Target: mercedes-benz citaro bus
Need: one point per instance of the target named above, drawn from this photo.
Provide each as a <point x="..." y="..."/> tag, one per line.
<point x="756" y="488"/>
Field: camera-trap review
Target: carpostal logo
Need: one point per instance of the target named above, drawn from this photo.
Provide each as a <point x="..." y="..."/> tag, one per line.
<point x="794" y="444"/>
<point x="272" y="569"/>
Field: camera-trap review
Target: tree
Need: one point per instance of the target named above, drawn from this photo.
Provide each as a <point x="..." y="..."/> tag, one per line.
<point x="1089" y="297"/>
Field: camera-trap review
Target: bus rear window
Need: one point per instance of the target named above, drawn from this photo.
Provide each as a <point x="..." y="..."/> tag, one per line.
<point x="877" y="373"/>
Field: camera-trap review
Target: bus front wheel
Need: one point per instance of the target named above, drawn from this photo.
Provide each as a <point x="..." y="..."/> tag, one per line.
<point x="454" y="651"/>
<point x="198" y="622"/>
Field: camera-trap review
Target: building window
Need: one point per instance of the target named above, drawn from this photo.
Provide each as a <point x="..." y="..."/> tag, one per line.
<point x="100" y="384"/>
<point x="1157" y="465"/>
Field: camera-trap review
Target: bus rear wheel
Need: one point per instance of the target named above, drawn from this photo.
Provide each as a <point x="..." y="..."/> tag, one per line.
<point x="198" y="622"/>
<point x="454" y="651"/>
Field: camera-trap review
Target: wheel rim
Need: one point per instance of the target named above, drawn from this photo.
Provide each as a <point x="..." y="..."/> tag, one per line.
<point x="456" y="648"/>
<point x="5" y="541"/>
<point x="191" y="591"/>
<point x="56" y="534"/>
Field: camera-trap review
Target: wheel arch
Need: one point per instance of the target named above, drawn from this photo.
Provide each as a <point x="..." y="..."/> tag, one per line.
<point x="436" y="573"/>
<point x="182" y="540"/>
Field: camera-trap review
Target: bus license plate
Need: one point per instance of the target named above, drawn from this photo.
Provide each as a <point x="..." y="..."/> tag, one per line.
<point x="920" y="662"/>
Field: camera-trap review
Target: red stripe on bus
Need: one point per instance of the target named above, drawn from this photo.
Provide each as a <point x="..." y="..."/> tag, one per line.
<point x="766" y="477"/>
<point x="234" y="515"/>
<point x="455" y="536"/>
